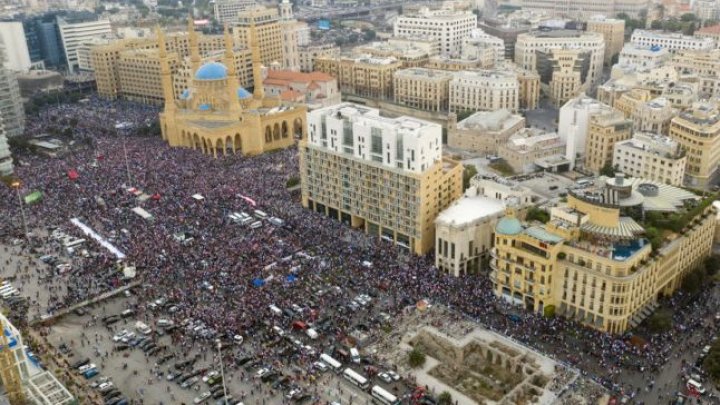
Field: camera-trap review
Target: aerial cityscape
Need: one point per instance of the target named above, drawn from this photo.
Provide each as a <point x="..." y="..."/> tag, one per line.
<point x="338" y="202"/>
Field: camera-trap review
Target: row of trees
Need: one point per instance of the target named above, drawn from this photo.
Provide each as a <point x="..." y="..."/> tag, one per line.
<point x="416" y="359"/>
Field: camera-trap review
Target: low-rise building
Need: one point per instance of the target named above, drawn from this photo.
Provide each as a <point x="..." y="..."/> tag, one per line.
<point x="362" y="76"/>
<point x="630" y="100"/>
<point x="464" y="234"/>
<point x="484" y="90"/>
<point x="481" y="46"/>
<point x="605" y="131"/>
<point x="527" y="147"/>
<point x="704" y="66"/>
<point x="697" y="130"/>
<point x="653" y="116"/>
<point x="314" y="89"/>
<point x="423" y="89"/>
<point x="651" y="156"/>
<point x="643" y="57"/>
<point x="411" y="52"/>
<point x="504" y="189"/>
<point x="484" y="131"/>
<point x="711" y="31"/>
<point x="307" y="55"/>
<point x="672" y="41"/>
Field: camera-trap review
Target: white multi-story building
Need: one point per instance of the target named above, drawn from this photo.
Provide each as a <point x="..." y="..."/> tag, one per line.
<point x="12" y="112"/>
<point x="532" y="43"/>
<point x="706" y="9"/>
<point x="72" y="34"/>
<point x="586" y="8"/>
<point x="574" y="124"/>
<point x="226" y="11"/>
<point x="484" y="90"/>
<point x="673" y="41"/>
<point x="651" y="156"/>
<point x="643" y="57"/>
<point x="447" y="27"/>
<point x="6" y="162"/>
<point x="482" y="46"/>
<point x="16" y="49"/>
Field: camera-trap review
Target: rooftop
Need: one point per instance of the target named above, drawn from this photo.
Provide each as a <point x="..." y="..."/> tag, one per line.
<point x="424" y="73"/>
<point x="497" y="120"/>
<point x="469" y="209"/>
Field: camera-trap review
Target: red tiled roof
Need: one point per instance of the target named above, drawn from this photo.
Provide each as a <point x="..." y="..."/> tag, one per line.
<point x="290" y="95"/>
<point x="711" y="29"/>
<point x="288" y="75"/>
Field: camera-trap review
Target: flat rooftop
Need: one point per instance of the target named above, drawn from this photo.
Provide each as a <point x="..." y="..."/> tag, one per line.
<point x="469" y="209"/>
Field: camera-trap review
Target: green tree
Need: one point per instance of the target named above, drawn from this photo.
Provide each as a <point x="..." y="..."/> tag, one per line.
<point x="461" y="115"/>
<point x="416" y="358"/>
<point x="660" y="321"/>
<point x="537" y="214"/>
<point x="688" y="17"/>
<point x="712" y="265"/>
<point x="607" y="170"/>
<point x="693" y="282"/>
<point x="549" y="311"/>
<point x="445" y="398"/>
<point x="369" y="35"/>
<point x="469" y="172"/>
<point x="656" y="25"/>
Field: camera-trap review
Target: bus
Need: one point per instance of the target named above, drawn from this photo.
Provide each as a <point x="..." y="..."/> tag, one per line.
<point x="331" y="362"/>
<point x="355" y="378"/>
<point x="384" y="397"/>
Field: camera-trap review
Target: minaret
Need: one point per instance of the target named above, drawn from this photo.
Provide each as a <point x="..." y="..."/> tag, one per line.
<point x="165" y="73"/>
<point x="232" y="79"/>
<point x="258" y="90"/>
<point x="194" y="47"/>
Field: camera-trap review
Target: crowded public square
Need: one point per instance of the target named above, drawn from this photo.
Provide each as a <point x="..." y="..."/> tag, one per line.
<point x="194" y="265"/>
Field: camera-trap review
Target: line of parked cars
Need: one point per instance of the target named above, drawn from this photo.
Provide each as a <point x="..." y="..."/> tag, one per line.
<point x="105" y="387"/>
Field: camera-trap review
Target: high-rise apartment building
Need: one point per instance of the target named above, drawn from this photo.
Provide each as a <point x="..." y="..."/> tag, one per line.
<point x="270" y="33"/>
<point x="12" y="111"/>
<point x="606" y="129"/>
<point x="362" y="76"/>
<point x="592" y="263"/>
<point x="613" y="31"/>
<point x="226" y="11"/>
<point x="484" y="90"/>
<point x="75" y="30"/>
<point x="16" y="47"/>
<point x="423" y="89"/>
<point x="535" y="50"/>
<point x="672" y="41"/>
<point x="447" y="27"/>
<point x="697" y="130"/>
<point x="651" y="156"/>
<point x="574" y="125"/>
<point x="385" y="176"/>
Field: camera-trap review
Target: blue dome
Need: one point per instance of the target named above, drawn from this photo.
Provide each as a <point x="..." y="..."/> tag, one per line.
<point x="211" y="71"/>
<point x="185" y="94"/>
<point x="242" y="93"/>
<point x="508" y="226"/>
<point x="204" y="107"/>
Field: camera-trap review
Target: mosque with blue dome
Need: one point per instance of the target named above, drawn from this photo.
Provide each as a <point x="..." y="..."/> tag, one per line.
<point x="219" y="117"/>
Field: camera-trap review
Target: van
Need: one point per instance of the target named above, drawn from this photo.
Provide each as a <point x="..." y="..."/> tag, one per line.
<point x="276" y="221"/>
<point x="143" y="328"/>
<point x="246" y="221"/>
<point x="696" y="386"/>
<point x="355" y="355"/>
<point x="10" y="293"/>
<point x="260" y="214"/>
<point x="256" y="225"/>
<point x="6" y="288"/>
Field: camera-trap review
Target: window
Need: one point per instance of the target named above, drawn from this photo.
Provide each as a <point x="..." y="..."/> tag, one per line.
<point x="375" y="140"/>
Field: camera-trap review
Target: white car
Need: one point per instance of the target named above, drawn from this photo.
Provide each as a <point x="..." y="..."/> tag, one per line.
<point x="171" y="376"/>
<point x="293" y="393"/>
<point x="128" y="336"/>
<point x="210" y="375"/>
<point x="389" y="376"/>
<point x="320" y="366"/>
<point x="202" y="398"/>
<point x="107" y="386"/>
<point x="189" y="382"/>
<point x="262" y="372"/>
<point x="238" y="339"/>
<point x="118" y="337"/>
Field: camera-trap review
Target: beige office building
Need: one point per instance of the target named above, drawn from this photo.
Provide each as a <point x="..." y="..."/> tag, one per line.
<point x="362" y="76"/>
<point x="269" y="29"/>
<point x="630" y="100"/>
<point x="613" y="31"/>
<point x="591" y="262"/>
<point x="562" y="71"/>
<point x="385" y="176"/>
<point x="654" y="116"/>
<point x="484" y="131"/>
<point x="423" y="89"/>
<point x="651" y="156"/>
<point x="446" y="27"/>
<point x="697" y="130"/>
<point x="527" y="147"/>
<point x="307" y="55"/>
<point x="604" y="132"/>
<point x="411" y="52"/>
<point x="140" y="75"/>
<point x="704" y="65"/>
<point x="484" y="90"/>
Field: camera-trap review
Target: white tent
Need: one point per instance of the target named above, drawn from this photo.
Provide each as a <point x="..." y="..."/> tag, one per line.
<point x="198" y="197"/>
<point x="141" y="211"/>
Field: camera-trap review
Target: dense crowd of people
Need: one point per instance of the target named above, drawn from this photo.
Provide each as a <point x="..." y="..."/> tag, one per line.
<point x="211" y="278"/>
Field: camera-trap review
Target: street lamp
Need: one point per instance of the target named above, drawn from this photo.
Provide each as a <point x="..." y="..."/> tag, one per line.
<point x="16" y="185"/>
<point x="222" y="370"/>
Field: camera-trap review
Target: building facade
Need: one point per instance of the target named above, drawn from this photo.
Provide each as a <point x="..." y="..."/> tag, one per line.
<point x="481" y="46"/>
<point x="651" y="156"/>
<point x="590" y="262"/>
<point x="423" y="89"/>
<point x="411" y="52"/>
<point x="307" y="55"/>
<point x="531" y="46"/>
<point x="74" y="32"/>
<point x="673" y="42"/>
<point x="447" y="27"/>
<point x="653" y="116"/>
<point x="12" y="111"/>
<point x="613" y="31"/>
<point x="384" y="176"/>
<point x="17" y="54"/>
<point x="697" y="130"/>
<point x="484" y="90"/>
<point x="362" y="76"/>
<point x="574" y="125"/>
<point x="226" y="11"/>
<point x="527" y="147"/>
<point x="585" y="8"/>
<point x="315" y="89"/>
<point x="6" y="161"/>
<point x="270" y="34"/>
<point x="605" y="131"/>
<point x="484" y="131"/>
